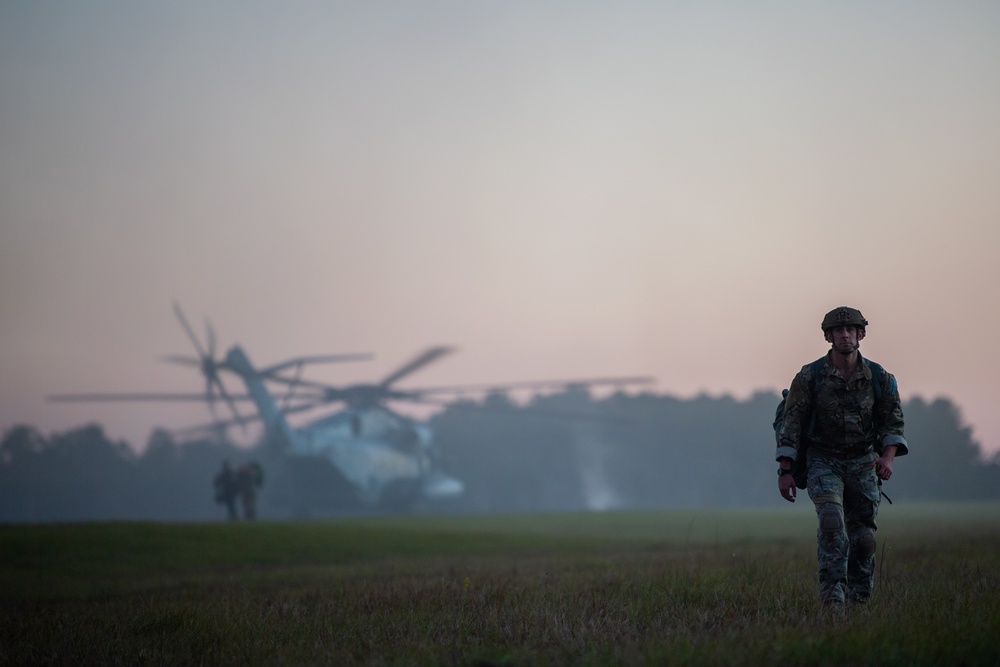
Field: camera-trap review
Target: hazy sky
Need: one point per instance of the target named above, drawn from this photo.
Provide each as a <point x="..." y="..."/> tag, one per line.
<point x="559" y="189"/>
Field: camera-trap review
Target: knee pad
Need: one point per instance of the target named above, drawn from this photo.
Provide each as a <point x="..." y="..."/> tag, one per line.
<point x="831" y="520"/>
<point x="865" y="544"/>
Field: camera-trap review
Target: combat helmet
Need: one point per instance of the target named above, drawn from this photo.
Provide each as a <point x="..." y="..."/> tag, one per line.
<point x="845" y="316"/>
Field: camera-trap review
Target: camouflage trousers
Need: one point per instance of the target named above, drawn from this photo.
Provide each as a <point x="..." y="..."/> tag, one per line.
<point x="846" y="495"/>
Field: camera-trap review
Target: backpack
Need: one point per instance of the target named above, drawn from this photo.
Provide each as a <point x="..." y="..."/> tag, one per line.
<point x="800" y="472"/>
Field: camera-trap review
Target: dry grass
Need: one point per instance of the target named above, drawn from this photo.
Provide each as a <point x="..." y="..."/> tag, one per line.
<point x="629" y="589"/>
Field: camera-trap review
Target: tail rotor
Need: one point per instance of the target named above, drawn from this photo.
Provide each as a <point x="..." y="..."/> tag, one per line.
<point x="208" y="365"/>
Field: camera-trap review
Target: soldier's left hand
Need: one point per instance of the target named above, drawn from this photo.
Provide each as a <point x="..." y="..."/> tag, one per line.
<point x="883" y="468"/>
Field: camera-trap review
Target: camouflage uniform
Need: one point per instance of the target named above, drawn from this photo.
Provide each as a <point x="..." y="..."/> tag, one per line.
<point x="225" y="489"/>
<point x="842" y="435"/>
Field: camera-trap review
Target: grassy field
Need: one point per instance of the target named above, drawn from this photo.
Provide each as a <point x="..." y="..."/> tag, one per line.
<point x="650" y="588"/>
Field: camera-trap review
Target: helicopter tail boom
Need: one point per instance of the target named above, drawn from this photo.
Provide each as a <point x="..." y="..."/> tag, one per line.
<point x="278" y="428"/>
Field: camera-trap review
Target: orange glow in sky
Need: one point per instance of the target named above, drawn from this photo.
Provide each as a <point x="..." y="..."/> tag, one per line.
<point x="558" y="189"/>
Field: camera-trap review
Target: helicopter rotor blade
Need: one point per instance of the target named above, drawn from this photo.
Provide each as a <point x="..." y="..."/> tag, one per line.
<point x="293" y="387"/>
<point x="290" y="388"/>
<point x="137" y="396"/>
<point x="210" y="337"/>
<point x="178" y="359"/>
<point x="418" y="362"/>
<point x="241" y="421"/>
<point x="371" y="395"/>
<point x="536" y="384"/>
<point x="209" y="366"/>
<point x="299" y="362"/>
<point x="188" y="330"/>
<point x="215" y="425"/>
<point x="518" y="411"/>
<point x="229" y="401"/>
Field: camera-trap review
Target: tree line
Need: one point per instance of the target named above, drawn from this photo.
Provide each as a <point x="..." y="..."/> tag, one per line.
<point x="564" y="452"/>
<point x="655" y="451"/>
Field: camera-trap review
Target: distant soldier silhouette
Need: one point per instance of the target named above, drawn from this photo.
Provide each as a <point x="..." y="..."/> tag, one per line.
<point x="225" y="484"/>
<point x="249" y="477"/>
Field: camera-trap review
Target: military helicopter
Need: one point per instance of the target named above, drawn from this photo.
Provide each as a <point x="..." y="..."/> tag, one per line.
<point x="363" y="455"/>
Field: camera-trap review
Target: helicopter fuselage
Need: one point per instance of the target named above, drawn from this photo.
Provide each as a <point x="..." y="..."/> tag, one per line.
<point x="382" y="456"/>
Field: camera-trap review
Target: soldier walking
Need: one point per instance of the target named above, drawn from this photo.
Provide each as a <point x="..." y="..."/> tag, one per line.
<point x="225" y="484"/>
<point x="842" y="418"/>
<point x="249" y="477"/>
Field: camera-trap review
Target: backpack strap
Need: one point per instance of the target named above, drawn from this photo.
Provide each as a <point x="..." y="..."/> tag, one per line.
<point x="815" y="369"/>
<point x="878" y="373"/>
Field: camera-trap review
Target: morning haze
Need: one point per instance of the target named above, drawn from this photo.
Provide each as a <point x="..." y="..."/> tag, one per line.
<point x="670" y="189"/>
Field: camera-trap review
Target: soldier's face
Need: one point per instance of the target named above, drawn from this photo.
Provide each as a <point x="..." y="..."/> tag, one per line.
<point x="845" y="339"/>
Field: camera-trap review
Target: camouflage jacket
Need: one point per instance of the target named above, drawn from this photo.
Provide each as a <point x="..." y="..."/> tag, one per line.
<point x="848" y="422"/>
